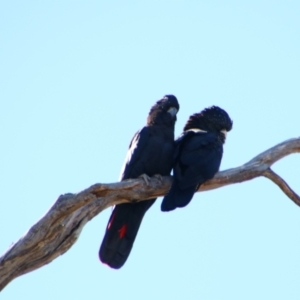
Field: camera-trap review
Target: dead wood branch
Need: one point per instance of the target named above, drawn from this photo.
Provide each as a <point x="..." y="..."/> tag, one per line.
<point x="59" y="228"/>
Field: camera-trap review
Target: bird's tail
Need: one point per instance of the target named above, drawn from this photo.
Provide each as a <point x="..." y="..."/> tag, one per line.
<point x="177" y="197"/>
<point x="121" y="231"/>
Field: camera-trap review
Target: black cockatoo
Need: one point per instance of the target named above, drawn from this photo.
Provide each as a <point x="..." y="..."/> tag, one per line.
<point x="198" y="155"/>
<point x="150" y="153"/>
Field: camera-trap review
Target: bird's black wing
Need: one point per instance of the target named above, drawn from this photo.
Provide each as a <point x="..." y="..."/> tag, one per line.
<point x="134" y="161"/>
<point x="126" y="218"/>
<point x="197" y="158"/>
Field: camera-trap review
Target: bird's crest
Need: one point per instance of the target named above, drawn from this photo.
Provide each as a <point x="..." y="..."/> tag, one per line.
<point x="212" y="118"/>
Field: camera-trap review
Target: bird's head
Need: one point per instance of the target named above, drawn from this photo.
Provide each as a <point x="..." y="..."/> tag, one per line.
<point x="164" y="111"/>
<point x="213" y="119"/>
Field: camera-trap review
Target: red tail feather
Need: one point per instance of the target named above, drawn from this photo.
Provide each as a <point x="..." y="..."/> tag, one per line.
<point x="122" y="231"/>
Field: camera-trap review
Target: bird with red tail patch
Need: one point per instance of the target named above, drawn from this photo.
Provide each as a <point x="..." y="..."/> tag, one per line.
<point x="198" y="155"/>
<point x="150" y="153"/>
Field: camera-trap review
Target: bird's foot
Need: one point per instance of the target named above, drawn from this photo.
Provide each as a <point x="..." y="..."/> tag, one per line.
<point x="158" y="177"/>
<point x="146" y="178"/>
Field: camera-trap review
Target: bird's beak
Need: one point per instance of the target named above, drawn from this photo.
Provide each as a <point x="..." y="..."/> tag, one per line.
<point x="173" y="111"/>
<point x="224" y="131"/>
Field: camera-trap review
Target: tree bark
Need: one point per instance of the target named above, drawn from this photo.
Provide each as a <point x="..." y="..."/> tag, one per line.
<point x="60" y="227"/>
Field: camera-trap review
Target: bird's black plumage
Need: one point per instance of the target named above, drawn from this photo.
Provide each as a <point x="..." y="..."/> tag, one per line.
<point x="198" y="155"/>
<point x="150" y="152"/>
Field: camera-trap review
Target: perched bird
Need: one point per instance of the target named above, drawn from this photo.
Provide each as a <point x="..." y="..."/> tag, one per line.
<point x="198" y="155"/>
<point x="150" y="153"/>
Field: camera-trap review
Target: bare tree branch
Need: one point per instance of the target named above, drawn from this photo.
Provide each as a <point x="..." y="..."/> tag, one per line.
<point x="59" y="228"/>
<point x="283" y="185"/>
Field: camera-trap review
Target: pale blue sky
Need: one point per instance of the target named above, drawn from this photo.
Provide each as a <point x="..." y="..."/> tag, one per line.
<point x="77" y="80"/>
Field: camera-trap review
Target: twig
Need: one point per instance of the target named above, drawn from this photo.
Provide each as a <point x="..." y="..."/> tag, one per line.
<point x="283" y="185"/>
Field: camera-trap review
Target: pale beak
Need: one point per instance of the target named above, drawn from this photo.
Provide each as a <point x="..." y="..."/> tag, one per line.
<point x="224" y="131"/>
<point x="173" y="111"/>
